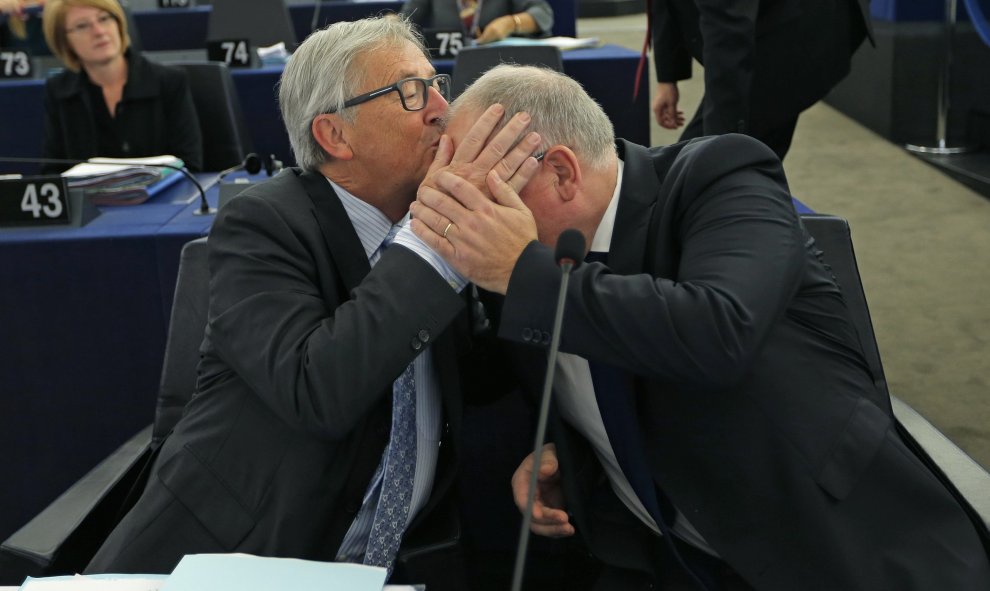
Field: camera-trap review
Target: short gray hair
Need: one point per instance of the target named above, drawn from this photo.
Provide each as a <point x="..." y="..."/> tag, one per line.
<point x="324" y="72"/>
<point x="562" y="112"/>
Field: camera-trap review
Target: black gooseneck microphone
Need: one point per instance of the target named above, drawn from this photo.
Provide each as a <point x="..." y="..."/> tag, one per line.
<point x="204" y="207"/>
<point x="251" y="164"/>
<point x="568" y="254"/>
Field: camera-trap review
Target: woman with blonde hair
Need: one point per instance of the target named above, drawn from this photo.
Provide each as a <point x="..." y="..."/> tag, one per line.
<point x="112" y="101"/>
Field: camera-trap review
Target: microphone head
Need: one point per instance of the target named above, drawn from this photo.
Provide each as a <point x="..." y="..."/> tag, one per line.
<point x="570" y="247"/>
<point x="252" y="163"/>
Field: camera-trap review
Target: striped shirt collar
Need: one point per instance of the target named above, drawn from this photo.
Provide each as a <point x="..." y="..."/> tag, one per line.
<point x="371" y="225"/>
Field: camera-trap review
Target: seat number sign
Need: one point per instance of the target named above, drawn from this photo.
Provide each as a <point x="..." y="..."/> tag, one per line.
<point x="444" y="44"/>
<point x="15" y="63"/>
<point x="236" y="53"/>
<point x="34" y="201"/>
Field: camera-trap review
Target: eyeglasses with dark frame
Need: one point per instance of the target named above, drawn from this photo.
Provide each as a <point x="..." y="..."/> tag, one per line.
<point x="413" y="92"/>
<point x="103" y="20"/>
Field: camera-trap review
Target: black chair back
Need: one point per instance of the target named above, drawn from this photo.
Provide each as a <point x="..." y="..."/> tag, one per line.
<point x="262" y="22"/>
<point x="472" y="62"/>
<point x="967" y="480"/>
<point x="185" y="335"/>
<point x="833" y="237"/>
<point x="225" y="137"/>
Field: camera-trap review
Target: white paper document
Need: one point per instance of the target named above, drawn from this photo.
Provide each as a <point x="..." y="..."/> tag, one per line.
<point x="95" y="583"/>
<point x="244" y="572"/>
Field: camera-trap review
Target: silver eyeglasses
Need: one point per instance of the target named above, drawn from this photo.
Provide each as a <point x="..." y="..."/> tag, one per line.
<point x="413" y="92"/>
<point x="103" y="20"/>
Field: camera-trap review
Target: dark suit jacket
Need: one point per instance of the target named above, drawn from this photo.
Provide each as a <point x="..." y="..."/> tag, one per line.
<point x="292" y="412"/>
<point x="759" y="416"/>
<point x="765" y="60"/>
<point x="156" y="113"/>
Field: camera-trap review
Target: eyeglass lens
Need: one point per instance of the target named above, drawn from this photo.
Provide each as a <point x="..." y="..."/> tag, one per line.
<point x="414" y="91"/>
<point x="85" y="27"/>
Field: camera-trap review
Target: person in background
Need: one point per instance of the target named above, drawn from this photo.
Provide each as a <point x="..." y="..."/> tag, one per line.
<point x="111" y="101"/>
<point x="721" y="429"/>
<point x="765" y="61"/>
<point x="496" y="20"/>
<point x="20" y="29"/>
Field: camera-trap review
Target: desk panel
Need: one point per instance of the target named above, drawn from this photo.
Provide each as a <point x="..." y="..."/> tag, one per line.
<point x="84" y="313"/>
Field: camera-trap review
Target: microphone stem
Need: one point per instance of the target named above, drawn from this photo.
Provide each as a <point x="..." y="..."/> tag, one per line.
<point x="541" y="427"/>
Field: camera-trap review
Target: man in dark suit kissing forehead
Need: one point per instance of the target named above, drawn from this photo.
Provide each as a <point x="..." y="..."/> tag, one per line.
<point x="720" y="429"/>
<point x="326" y="417"/>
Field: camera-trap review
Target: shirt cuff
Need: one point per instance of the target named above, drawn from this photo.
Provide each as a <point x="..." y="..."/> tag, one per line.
<point x="407" y="238"/>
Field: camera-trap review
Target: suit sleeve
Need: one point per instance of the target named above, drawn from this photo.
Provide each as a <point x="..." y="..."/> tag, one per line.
<point x="741" y="256"/>
<point x="185" y="140"/>
<point x="321" y="364"/>
<point x="671" y="55"/>
<point x="728" y="33"/>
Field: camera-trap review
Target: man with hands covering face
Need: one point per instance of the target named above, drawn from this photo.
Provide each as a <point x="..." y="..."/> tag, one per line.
<point x="719" y="428"/>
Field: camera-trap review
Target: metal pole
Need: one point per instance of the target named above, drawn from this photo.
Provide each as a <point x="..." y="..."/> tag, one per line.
<point x="942" y="146"/>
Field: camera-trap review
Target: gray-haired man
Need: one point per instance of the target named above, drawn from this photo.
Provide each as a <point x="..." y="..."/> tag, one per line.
<point x="325" y="420"/>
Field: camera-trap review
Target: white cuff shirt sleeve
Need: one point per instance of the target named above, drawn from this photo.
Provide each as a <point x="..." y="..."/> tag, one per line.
<point x="407" y="238"/>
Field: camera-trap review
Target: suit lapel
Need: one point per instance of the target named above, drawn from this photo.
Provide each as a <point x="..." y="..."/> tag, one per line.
<point x="338" y="232"/>
<point x="637" y="198"/>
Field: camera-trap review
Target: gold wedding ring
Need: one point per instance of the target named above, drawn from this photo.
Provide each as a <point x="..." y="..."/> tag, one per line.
<point x="447" y="229"/>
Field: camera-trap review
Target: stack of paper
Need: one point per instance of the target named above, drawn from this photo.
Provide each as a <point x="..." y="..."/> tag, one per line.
<point x="244" y="572"/>
<point x="96" y="583"/>
<point x="116" y="181"/>
<point x="561" y="43"/>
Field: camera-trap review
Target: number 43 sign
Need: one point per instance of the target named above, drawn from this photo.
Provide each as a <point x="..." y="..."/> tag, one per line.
<point x="40" y="200"/>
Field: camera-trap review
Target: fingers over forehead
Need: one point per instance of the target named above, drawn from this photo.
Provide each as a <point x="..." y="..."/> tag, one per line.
<point x="476" y="138"/>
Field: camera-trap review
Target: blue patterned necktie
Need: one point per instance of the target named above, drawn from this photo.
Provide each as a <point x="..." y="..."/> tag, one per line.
<point x="399" y="470"/>
<point x="615" y="395"/>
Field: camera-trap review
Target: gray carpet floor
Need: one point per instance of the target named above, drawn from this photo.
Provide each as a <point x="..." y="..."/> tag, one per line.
<point x="921" y="242"/>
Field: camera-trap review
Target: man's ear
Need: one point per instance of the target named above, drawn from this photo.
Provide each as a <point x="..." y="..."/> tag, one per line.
<point x="332" y="133"/>
<point x="564" y="165"/>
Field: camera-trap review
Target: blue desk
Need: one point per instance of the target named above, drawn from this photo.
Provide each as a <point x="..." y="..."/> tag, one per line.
<point x="607" y="73"/>
<point x="186" y="28"/>
<point x="84" y="313"/>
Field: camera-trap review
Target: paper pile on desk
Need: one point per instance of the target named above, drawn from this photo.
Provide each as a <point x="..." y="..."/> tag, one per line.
<point x="95" y="583"/>
<point x="244" y="572"/>
<point x="118" y="181"/>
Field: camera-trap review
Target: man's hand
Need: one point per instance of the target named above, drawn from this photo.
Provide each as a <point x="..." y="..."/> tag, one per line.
<point x="665" y="106"/>
<point x="478" y="152"/>
<point x="549" y="518"/>
<point x="480" y="238"/>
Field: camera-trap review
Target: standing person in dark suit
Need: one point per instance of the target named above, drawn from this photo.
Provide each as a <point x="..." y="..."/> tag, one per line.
<point x="326" y="417"/>
<point x="765" y="61"/>
<point x="721" y="428"/>
<point x="111" y="101"/>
